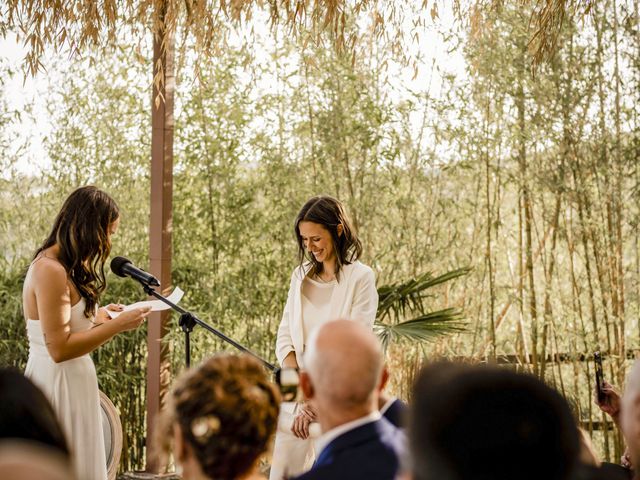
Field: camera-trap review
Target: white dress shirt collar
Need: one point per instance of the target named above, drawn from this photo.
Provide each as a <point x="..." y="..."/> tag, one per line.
<point x="326" y="438"/>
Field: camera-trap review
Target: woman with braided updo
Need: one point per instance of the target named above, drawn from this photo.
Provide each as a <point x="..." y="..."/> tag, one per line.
<point x="221" y="417"/>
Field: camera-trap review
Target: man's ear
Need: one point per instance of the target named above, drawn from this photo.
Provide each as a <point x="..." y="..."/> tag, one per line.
<point x="306" y="386"/>
<point x="384" y="378"/>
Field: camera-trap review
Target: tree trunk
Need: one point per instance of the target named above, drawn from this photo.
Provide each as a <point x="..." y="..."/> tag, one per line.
<point x="160" y="250"/>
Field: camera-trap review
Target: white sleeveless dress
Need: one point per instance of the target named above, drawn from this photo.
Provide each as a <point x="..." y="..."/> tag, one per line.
<point x="72" y="389"/>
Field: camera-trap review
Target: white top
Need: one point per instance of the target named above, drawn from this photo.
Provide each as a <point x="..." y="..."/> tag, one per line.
<point x="354" y="297"/>
<point x="316" y="304"/>
<point x="334" y="433"/>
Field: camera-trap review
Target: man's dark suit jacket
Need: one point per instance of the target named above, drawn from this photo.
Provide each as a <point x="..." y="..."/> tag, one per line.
<point x="396" y="413"/>
<point x="368" y="452"/>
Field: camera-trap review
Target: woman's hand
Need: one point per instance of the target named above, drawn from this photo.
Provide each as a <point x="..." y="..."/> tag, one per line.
<point x="290" y="361"/>
<point x="304" y="417"/>
<point x="103" y="316"/>
<point x="300" y="427"/>
<point x="308" y="411"/>
<point x="611" y="402"/>
<point x="625" y="460"/>
<point x="131" y="319"/>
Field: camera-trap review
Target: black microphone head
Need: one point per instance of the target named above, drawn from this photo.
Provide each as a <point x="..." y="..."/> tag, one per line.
<point x="116" y="265"/>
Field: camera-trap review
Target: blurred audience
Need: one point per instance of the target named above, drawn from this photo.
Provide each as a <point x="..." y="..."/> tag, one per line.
<point x="489" y="423"/>
<point x="393" y="409"/>
<point x="26" y="413"/>
<point x="629" y="413"/>
<point x="29" y="460"/>
<point x="611" y="404"/>
<point x="220" y="419"/>
<point x="342" y="377"/>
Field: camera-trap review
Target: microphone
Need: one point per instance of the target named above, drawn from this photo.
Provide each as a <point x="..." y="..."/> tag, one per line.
<point x="123" y="267"/>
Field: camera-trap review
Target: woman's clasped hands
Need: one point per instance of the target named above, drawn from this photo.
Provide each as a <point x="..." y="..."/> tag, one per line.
<point x="305" y="415"/>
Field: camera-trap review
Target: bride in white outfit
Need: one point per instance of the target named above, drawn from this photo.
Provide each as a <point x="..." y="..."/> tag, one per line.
<point x="60" y="298"/>
<point x="329" y="283"/>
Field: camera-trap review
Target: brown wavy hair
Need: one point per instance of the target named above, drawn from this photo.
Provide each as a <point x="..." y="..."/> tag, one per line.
<point x="227" y="410"/>
<point x="81" y="230"/>
<point x="329" y="213"/>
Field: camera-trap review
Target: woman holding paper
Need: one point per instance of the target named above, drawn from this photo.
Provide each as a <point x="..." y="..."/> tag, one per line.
<point x="329" y="283"/>
<point x="60" y="298"/>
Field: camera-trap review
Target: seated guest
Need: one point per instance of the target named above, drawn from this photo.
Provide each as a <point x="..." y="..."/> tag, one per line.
<point x="25" y="413"/>
<point x="629" y="412"/>
<point x="221" y="417"/>
<point x="341" y="380"/>
<point x="30" y="460"/>
<point x="610" y="404"/>
<point x="489" y="423"/>
<point x="591" y="468"/>
<point x="590" y="465"/>
<point x="393" y="409"/>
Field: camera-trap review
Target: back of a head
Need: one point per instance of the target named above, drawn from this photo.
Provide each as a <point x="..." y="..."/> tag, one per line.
<point x="344" y="361"/>
<point x="489" y="423"/>
<point x="227" y="410"/>
<point x="81" y="231"/>
<point x="27" y="414"/>
<point x="23" y="460"/>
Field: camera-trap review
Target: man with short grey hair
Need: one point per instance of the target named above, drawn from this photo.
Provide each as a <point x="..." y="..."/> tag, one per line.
<point x="343" y="373"/>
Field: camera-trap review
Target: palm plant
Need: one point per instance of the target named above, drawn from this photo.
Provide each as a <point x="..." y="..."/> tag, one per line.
<point x="398" y="300"/>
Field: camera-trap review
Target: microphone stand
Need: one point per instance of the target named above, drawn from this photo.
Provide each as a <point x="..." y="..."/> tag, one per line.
<point x="189" y="320"/>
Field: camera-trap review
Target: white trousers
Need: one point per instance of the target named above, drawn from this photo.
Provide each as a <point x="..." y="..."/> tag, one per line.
<point x="291" y="455"/>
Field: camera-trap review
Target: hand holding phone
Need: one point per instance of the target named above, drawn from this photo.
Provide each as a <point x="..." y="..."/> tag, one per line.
<point x="607" y="397"/>
<point x="600" y="386"/>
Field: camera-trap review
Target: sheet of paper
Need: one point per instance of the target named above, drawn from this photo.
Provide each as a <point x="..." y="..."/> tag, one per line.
<point x="155" y="305"/>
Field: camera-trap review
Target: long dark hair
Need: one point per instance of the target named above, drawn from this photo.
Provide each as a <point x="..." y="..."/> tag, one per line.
<point x="81" y="230"/>
<point x="329" y="213"/>
<point x="26" y="413"/>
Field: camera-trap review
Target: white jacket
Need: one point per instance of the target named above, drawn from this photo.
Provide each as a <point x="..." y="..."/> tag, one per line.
<point x="354" y="297"/>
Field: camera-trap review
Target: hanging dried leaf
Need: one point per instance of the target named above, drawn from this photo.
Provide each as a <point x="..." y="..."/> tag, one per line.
<point x="75" y="26"/>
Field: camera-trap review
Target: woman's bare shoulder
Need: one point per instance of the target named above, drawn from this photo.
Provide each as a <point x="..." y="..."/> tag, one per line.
<point x="46" y="269"/>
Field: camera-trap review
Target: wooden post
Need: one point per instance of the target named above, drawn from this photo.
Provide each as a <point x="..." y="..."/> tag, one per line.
<point x="158" y="368"/>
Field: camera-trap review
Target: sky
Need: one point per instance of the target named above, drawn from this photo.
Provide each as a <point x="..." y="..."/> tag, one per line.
<point x="437" y="59"/>
<point x="20" y="92"/>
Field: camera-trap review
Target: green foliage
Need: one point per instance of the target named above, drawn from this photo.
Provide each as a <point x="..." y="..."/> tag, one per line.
<point x="397" y="299"/>
<point x="13" y="348"/>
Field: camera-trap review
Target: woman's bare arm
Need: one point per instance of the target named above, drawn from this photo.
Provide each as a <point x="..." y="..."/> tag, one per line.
<point x="53" y="300"/>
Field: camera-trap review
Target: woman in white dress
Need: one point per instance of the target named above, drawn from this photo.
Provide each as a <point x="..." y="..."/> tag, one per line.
<point x="329" y="283"/>
<point x="60" y="299"/>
